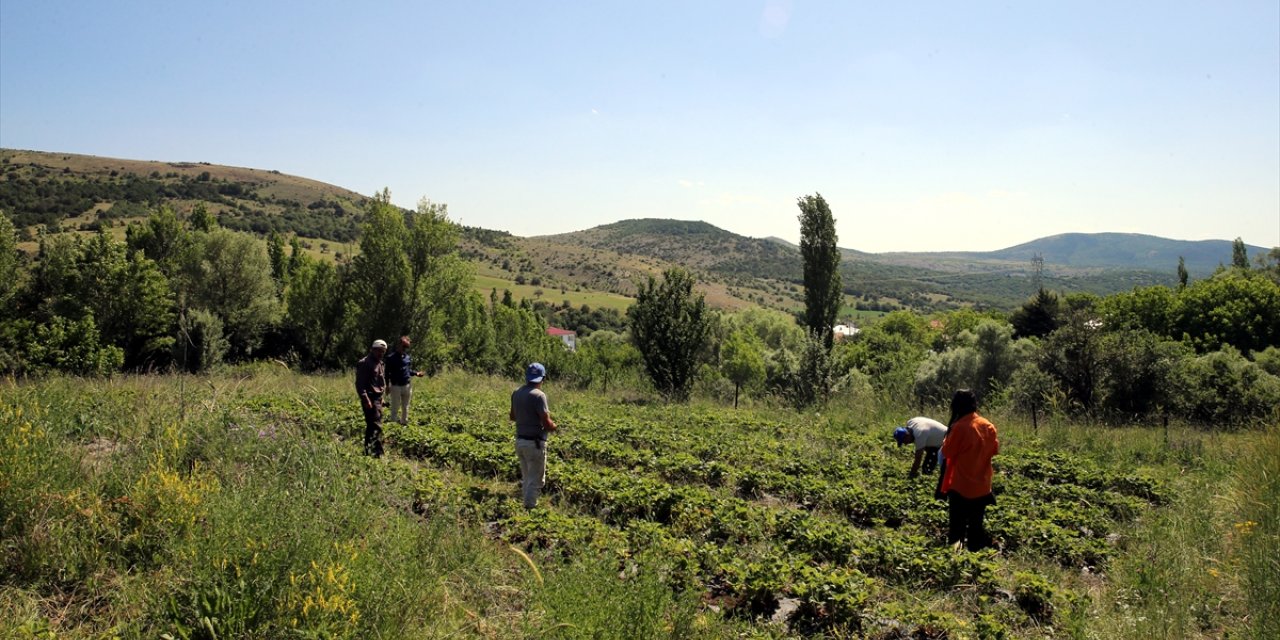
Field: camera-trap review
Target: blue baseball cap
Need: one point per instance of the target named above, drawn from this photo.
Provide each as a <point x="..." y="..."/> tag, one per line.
<point x="900" y="434"/>
<point x="535" y="373"/>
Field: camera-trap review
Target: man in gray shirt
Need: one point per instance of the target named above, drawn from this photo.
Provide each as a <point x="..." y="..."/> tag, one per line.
<point x="533" y="424"/>
<point x="927" y="435"/>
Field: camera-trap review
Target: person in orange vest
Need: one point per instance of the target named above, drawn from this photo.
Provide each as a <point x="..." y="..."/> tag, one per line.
<point x="966" y="473"/>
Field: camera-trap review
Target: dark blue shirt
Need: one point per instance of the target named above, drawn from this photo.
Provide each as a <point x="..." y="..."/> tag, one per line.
<point x="399" y="368"/>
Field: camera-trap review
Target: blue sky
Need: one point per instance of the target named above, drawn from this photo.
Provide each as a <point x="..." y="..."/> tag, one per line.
<point x="927" y="126"/>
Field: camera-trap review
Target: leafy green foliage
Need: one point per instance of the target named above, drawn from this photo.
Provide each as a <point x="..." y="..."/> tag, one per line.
<point x="1038" y="317"/>
<point x="1239" y="254"/>
<point x="8" y="261"/>
<point x="1223" y="388"/>
<point x="1235" y="308"/>
<point x="669" y="326"/>
<point x="229" y="275"/>
<point x="821" y="255"/>
<point x="742" y="361"/>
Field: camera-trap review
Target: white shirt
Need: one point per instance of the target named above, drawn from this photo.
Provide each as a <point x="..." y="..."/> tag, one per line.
<point x="928" y="433"/>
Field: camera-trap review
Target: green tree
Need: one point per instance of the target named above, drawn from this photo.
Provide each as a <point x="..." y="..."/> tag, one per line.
<point x="380" y="274"/>
<point x="1234" y="307"/>
<point x="669" y="326"/>
<point x="279" y="263"/>
<point x="439" y="280"/>
<point x="8" y="262"/>
<point x="125" y="293"/>
<point x="323" y="312"/>
<point x="1038" y="317"/>
<point x="982" y="359"/>
<point x="202" y="220"/>
<point x="1031" y="389"/>
<point x="72" y="346"/>
<point x="295" y="254"/>
<point x="1222" y="388"/>
<point x="1149" y="308"/>
<point x="1269" y="263"/>
<point x="229" y="275"/>
<point x="1136" y="366"/>
<point x="1073" y="355"/>
<point x="814" y="378"/>
<point x="201" y="343"/>
<point x="889" y="352"/>
<point x="1239" y="254"/>
<point x="822" y="291"/>
<point x="1183" y="276"/>
<point x="742" y="361"/>
<point x="160" y="238"/>
<point x="611" y="353"/>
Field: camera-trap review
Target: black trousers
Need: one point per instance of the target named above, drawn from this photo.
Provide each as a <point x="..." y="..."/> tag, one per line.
<point x="373" y="428"/>
<point x="965" y="516"/>
<point x="930" y="461"/>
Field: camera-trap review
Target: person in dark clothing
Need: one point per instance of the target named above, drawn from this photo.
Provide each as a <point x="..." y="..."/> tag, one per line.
<point x="400" y="373"/>
<point x="371" y="380"/>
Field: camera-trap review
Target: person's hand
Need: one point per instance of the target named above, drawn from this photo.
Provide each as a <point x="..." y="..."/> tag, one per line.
<point x="419" y="374"/>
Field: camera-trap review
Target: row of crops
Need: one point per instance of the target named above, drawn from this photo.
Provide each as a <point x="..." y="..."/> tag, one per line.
<point x="770" y="519"/>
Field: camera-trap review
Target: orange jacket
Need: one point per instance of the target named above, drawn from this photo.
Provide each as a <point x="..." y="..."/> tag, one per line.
<point x="971" y="443"/>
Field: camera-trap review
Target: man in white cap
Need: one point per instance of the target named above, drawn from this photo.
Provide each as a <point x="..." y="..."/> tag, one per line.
<point x="533" y="422"/>
<point x="371" y="380"/>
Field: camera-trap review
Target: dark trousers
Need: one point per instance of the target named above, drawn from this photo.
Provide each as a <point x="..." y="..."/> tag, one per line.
<point x="965" y="517"/>
<point x="930" y="461"/>
<point x="373" y="428"/>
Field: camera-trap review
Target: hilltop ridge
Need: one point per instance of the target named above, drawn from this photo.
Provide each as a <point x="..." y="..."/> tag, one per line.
<point x="83" y="193"/>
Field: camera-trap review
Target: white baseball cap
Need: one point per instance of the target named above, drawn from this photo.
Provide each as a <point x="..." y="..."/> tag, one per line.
<point x="379" y="344"/>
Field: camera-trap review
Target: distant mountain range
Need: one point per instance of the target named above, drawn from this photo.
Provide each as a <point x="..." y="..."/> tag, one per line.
<point x="77" y="192"/>
<point x="1111" y="250"/>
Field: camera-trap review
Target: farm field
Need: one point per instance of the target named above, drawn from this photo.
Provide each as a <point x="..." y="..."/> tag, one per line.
<point x="595" y="299"/>
<point x="238" y="505"/>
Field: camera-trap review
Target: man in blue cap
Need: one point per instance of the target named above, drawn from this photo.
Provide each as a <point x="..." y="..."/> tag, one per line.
<point x="927" y="435"/>
<point x="533" y="423"/>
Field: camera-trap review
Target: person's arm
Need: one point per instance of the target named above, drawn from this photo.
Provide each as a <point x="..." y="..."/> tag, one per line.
<point x="362" y="386"/>
<point x="544" y="412"/>
<point x="915" y="466"/>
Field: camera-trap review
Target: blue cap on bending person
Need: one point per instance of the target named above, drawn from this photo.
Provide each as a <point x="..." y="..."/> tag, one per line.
<point x="900" y="434"/>
<point x="535" y="373"/>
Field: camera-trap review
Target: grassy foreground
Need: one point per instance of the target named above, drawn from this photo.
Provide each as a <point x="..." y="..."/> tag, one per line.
<point x="238" y="505"/>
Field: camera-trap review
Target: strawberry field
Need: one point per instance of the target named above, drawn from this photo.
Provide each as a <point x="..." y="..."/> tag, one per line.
<point x="795" y="519"/>
<point x="244" y="509"/>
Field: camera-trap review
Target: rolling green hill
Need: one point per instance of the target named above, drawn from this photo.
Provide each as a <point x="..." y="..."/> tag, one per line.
<point x="598" y="266"/>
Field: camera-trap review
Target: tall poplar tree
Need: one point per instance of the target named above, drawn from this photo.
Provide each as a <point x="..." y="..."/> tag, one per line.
<point x="821" y="266"/>
<point x="1239" y="254"/>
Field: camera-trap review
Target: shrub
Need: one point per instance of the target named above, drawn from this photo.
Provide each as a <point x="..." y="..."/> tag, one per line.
<point x="1224" y="388"/>
<point x="1034" y="595"/>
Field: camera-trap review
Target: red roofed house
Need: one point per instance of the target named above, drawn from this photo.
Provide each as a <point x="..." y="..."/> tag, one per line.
<point x="569" y="338"/>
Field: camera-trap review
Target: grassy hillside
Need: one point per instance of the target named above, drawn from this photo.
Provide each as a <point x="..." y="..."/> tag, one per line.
<point x="80" y="192"/>
<point x="239" y="506"/>
<point x="771" y="270"/>
<point x="83" y="193"/>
